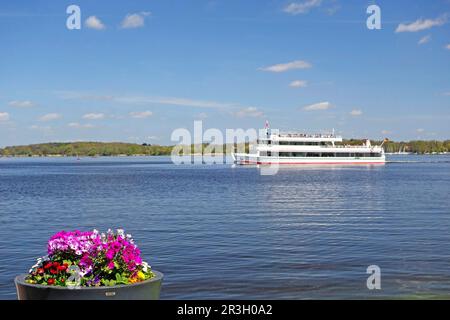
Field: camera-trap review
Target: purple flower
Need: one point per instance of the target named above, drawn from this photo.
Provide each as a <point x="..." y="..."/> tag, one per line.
<point x="92" y="252"/>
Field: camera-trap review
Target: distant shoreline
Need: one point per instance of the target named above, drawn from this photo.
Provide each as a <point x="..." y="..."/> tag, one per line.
<point x="122" y="149"/>
<point x="187" y="155"/>
<point x="110" y="156"/>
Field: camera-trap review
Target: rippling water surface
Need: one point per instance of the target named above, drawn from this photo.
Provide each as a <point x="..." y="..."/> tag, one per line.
<point x="221" y="232"/>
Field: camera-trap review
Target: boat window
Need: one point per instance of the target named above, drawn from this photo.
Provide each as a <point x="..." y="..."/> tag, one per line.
<point x="322" y="154"/>
<point x="299" y="154"/>
<point x="312" y="154"/>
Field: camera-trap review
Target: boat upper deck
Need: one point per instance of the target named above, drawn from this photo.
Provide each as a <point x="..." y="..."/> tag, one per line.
<point x="304" y="137"/>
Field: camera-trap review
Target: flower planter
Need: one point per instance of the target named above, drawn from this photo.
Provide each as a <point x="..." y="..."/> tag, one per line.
<point x="145" y="290"/>
<point x="89" y="265"/>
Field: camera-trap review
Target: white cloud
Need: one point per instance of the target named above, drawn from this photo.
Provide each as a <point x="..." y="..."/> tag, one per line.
<point x="446" y="93"/>
<point x="249" y="112"/>
<point x="447" y="47"/>
<point x="134" y="20"/>
<point x="332" y="10"/>
<point x="318" y="106"/>
<point x="79" y="125"/>
<point x="50" y="117"/>
<point x="424" y="40"/>
<point x="421" y="24"/>
<point x="201" y="115"/>
<point x="93" y="22"/>
<point x="4" y="116"/>
<point x="420" y="130"/>
<point x="146" y="100"/>
<point x="141" y="115"/>
<point x="94" y="116"/>
<point x="295" y="8"/>
<point x="173" y="101"/>
<point x="298" y="84"/>
<point x="386" y="132"/>
<point x="21" y="103"/>
<point x="282" y="67"/>
<point x="46" y="129"/>
<point x="356" y="112"/>
<point x="153" y="138"/>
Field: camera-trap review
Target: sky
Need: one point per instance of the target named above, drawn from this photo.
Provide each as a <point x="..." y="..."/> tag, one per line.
<point x="137" y="70"/>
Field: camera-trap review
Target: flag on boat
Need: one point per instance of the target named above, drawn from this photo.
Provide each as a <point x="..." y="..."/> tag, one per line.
<point x="266" y="125"/>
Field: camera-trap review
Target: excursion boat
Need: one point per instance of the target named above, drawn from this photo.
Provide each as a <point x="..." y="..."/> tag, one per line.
<point x="300" y="148"/>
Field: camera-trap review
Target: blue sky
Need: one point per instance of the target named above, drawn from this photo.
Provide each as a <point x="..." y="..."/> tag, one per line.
<point x="137" y="70"/>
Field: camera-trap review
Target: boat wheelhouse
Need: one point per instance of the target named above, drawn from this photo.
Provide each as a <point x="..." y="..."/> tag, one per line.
<point x="300" y="148"/>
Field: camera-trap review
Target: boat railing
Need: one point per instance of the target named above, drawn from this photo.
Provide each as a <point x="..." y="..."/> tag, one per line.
<point x="352" y="146"/>
<point x="305" y="135"/>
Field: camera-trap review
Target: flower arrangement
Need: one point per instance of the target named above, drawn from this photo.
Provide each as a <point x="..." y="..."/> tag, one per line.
<point x="77" y="258"/>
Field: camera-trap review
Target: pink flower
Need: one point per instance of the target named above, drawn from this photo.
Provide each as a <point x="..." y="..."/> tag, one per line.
<point x="109" y="254"/>
<point x="92" y="252"/>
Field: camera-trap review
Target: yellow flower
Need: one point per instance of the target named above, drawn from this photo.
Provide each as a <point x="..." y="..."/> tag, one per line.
<point x="141" y="275"/>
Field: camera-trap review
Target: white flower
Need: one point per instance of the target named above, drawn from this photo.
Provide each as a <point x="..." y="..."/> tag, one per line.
<point x="120" y="232"/>
<point x="39" y="262"/>
<point x="145" y="266"/>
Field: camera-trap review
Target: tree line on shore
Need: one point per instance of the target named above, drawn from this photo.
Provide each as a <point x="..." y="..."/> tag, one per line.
<point x="92" y="149"/>
<point x="413" y="146"/>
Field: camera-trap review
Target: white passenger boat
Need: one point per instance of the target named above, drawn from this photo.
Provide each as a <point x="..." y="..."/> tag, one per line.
<point x="300" y="148"/>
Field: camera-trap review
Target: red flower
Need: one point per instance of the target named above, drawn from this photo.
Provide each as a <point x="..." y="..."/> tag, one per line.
<point x="63" y="280"/>
<point x="51" y="281"/>
<point x="48" y="265"/>
<point x="62" y="268"/>
<point x="40" y="270"/>
<point x="56" y="264"/>
<point x="53" y="271"/>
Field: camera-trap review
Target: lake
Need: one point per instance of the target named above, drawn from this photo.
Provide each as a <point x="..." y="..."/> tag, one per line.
<point x="218" y="231"/>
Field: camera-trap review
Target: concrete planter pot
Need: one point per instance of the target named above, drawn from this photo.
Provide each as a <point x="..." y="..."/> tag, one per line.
<point x="145" y="290"/>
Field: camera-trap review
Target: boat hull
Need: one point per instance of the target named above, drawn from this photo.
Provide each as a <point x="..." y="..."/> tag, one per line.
<point x="248" y="159"/>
